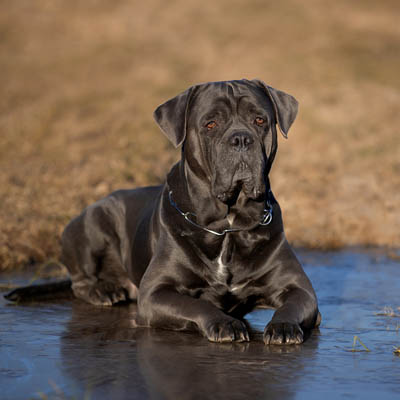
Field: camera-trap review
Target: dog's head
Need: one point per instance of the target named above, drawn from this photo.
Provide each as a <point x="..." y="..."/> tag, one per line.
<point x="228" y="132"/>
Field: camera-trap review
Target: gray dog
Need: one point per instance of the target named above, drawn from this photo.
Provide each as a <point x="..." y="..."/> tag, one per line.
<point x="208" y="246"/>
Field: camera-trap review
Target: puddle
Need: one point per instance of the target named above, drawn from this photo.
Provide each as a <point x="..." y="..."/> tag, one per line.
<point x="73" y="350"/>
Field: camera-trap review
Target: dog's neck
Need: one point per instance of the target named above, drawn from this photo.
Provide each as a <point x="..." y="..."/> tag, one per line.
<point x="192" y="192"/>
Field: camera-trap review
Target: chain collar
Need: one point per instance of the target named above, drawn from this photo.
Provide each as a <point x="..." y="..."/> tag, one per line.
<point x="266" y="218"/>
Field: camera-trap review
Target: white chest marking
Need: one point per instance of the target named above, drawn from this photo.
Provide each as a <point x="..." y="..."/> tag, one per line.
<point x="238" y="287"/>
<point x="222" y="273"/>
<point x="221" y="270"/>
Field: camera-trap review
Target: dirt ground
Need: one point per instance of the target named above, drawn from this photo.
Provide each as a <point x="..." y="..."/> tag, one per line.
<point x="80" y="79"/>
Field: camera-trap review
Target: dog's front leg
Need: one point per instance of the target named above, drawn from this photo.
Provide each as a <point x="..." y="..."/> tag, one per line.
<point x="167" y="308"/>
<point x="298" y="311"/>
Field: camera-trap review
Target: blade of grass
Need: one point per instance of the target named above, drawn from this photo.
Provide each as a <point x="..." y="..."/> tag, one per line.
<point x="354" y="350"/>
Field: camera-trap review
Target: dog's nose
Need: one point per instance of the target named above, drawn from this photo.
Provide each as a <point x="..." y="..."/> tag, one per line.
<point x="241" y="141"/>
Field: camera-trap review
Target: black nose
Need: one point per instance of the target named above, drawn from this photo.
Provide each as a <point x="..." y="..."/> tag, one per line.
<point x="241" y="141"/>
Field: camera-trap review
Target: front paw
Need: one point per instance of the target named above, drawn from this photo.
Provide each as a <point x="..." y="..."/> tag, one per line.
<point x="226" y="330"/>
<point x="283" y="333"/>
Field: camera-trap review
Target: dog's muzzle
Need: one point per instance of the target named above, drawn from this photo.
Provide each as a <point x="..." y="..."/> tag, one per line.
<point x="239" y="166"/>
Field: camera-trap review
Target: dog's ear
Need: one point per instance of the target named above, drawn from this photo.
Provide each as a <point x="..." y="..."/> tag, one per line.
<point x="171" y="117"/>
<point x="285" y="106"/>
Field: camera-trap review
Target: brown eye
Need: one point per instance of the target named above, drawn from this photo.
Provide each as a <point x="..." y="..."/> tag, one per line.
<point x="211" y="125"/>
<point x="259" y="121"/>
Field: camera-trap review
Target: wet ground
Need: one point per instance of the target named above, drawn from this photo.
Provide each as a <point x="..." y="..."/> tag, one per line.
<point x="73" y="350"/>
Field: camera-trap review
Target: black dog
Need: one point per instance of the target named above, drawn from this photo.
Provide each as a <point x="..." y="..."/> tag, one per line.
<point x="207" y="247"/>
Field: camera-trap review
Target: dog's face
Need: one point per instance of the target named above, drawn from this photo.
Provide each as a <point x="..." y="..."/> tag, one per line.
<point x="228" y="131"/>
<point x="231" y="122"/>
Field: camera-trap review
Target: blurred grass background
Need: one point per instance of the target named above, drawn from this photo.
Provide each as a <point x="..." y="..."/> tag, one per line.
<point x="80" y="79"/>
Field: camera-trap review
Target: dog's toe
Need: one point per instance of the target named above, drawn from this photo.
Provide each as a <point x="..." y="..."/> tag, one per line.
<point x="118" y="296"/>
<point x="98" y="298"/>
<point x="229" y="330"/>
<point x="283" y="333"/>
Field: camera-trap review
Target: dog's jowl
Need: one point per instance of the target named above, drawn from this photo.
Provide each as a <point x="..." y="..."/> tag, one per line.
<point x="208" y="246"/>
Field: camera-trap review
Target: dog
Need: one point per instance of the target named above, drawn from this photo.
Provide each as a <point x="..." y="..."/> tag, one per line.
<point x="208" y="246"/>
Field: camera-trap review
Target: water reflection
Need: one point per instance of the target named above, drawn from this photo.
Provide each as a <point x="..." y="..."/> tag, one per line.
<point x="105" y="351"/>
<point x="84" y="349"/>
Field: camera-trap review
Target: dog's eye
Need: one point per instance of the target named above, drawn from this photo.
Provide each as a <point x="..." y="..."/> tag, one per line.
<point x="259" y="121"/>
<point x="211" y="125"/>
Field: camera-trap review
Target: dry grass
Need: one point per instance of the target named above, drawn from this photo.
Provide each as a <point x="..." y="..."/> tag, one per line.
<point x="389" y="312"/>
<point x="80" y="80"/>
<point x="354" y="349"/>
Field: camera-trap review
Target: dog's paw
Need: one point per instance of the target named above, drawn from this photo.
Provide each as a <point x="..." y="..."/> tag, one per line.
<point x="104" y="293"/>
<point x="226" y="330"/>
<point x="283" y="333"/>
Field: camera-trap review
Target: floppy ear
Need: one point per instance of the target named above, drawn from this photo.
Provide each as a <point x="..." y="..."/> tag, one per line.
<point x="172" y="115"/>
<point x="285" y="106"/>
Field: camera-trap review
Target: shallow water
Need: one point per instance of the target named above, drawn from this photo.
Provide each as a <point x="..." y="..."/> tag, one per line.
<point x="72" y="350"/>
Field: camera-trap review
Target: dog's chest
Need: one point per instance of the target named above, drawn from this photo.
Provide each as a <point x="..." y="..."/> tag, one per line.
<point x="222" y="273"/>
<point x="226" y="267"/>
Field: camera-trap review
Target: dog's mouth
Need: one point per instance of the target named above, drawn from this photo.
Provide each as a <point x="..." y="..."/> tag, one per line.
<point x="242" y="177"/>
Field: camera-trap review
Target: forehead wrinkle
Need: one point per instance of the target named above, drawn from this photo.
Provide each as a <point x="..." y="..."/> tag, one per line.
<point x="223" y="100"/>
<point x="250" y="94"/>
<point x="259" y="102"/>
<point x="228" y="94"/>
<point x="243" y="98"/>
<point x="250" y="102"/>
<point x="216" y="104"/>
<point x="230" y="89"/>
